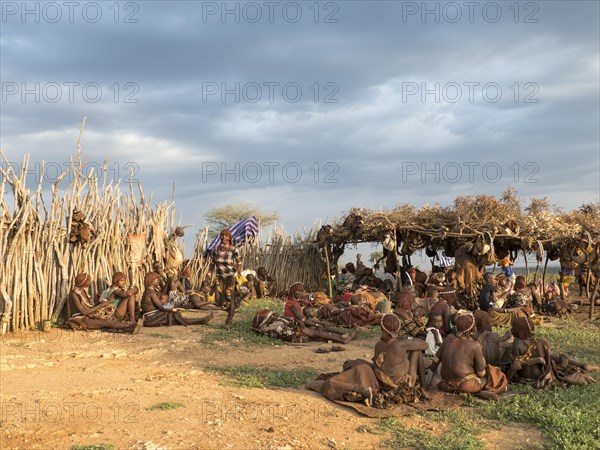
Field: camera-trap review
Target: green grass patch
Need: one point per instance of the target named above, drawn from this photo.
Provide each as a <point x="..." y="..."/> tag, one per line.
<point x="580" y="340"/>
<point x="373" y="334"/>
<point x="160" y="335"/>
<point x="93" y="447"/>
<point x="241" y="335"/>
<point x="568" y="416"/>
<point x="264" y="377"/>
<point x="165" y="406"/>
<point x="16" y="344"/>
<point x="461" y="433"/>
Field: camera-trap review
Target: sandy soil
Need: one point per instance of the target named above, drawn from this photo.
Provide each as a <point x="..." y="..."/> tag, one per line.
<point x="66" y="388"/>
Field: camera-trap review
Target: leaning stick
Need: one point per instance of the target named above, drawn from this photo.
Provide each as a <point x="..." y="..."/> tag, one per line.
<point x="328" y="272"/>
<point x="593" y="297"/>
<point x="544" y="273"/>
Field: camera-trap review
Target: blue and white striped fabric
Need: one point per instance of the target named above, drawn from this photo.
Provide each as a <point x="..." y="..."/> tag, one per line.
<point x="243" y="231"/>
<point x="445" y="261"/>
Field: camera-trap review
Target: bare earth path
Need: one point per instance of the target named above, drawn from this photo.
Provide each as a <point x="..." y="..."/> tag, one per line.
<point x="65" y="388"/>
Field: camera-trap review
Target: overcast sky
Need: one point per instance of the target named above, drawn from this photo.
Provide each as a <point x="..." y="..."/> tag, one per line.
<point x="324" y="106"/>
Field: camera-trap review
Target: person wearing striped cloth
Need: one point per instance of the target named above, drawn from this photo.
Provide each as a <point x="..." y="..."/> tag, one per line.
<point x="227" y="264"/>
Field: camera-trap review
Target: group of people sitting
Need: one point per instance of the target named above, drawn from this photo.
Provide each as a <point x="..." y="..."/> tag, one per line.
<point x="458" y="352"/>
<point x="119" y="308"/>
<point x="504" y="299"/>
<point x="166" y="292"/>
<point x="300" y="320"/>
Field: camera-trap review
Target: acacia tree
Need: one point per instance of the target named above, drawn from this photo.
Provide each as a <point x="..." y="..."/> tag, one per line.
<point x="375" y="256"/>
<point x="228" y="215"/>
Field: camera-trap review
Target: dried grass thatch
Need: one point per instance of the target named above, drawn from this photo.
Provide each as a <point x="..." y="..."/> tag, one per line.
<point x="471" y="217"/>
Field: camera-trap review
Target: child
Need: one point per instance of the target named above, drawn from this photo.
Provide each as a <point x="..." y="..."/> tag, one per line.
<point x="434" y="338"/>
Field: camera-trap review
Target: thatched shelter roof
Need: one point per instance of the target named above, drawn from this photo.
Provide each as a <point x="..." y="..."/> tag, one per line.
<point x="504" y="219"/>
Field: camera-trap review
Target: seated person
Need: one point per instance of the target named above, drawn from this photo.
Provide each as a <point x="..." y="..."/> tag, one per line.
<point x="159" y="268"/>
<point x="553" y="305"/>
<point x="265" y="284"/>
<point x="409" y="325"/>
<point x="451" y="279"/>
<point x="157" y="313"/>
<point x="442" y="309"/>
<point x="390" y="283"/>
<point x="464" y="368"/>
<point x="534" y="363"/>
<point x="536" y="297"/>
<point x="310" y="326"/>
<point x="206" y="294"/>
<point x="394" y="367"/>
<point x="251" y="285"/>
<point x="344" y="281"/>
<point x="554" y="289"/>
<point x="420" y="314"/>
<point x="504" y="289"/>
<point x="494" y="292"/>
<point x="434" y="336"/>
<point x="417" y="280"/>
<point x="521" y="298"/>
<point x="181" y="294"/>
<point x="487" y="296"/>
<point x="87" y="316"/>
<point x="496" y="349"/>
<point x="437" y="280"/>
<point x="122" y="300"/>
<point x="489" y="299"/>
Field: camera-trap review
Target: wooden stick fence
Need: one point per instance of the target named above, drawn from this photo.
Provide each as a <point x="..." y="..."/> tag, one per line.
<point x="287" y="259"/>
<point x="38" y="262"/>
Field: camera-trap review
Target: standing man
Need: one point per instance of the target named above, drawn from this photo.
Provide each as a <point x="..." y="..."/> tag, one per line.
<point x="227" y="263"/>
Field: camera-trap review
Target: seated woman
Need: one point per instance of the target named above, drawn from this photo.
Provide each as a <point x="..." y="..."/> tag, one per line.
<point x="495" y="348"/>
<point x="265" y="284"/>
<point x="505" y="289"/>
<point x="521" y="298"/>
<point x="157" y="313"/>
<point x="394" y="369"/>
<point x="181" y="294"/>
<point x="86" y="316"/>
<point x="344" y="281"/>
<point x="464" y="368"/>
<point x="123" y="301"/>
<point x="534" y="363"/>
<point x="251" y="285"/>
<point x="442" y="308"/>
<point x="409" y="325"/>
<point x="159" y="268"/>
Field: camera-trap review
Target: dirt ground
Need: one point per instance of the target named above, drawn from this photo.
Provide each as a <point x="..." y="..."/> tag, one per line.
<point x="65" y="388"/>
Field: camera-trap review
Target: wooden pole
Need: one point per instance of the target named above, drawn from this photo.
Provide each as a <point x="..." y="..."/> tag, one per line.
<point x="593" y="297"/>
<point x="328" y="272"/>
<point x="544" y="274"/>
<point x="561" y="277"/>
<point x="398" y="273"/>
<point x="526" y="267"/>
<point x="588" y="281"/>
